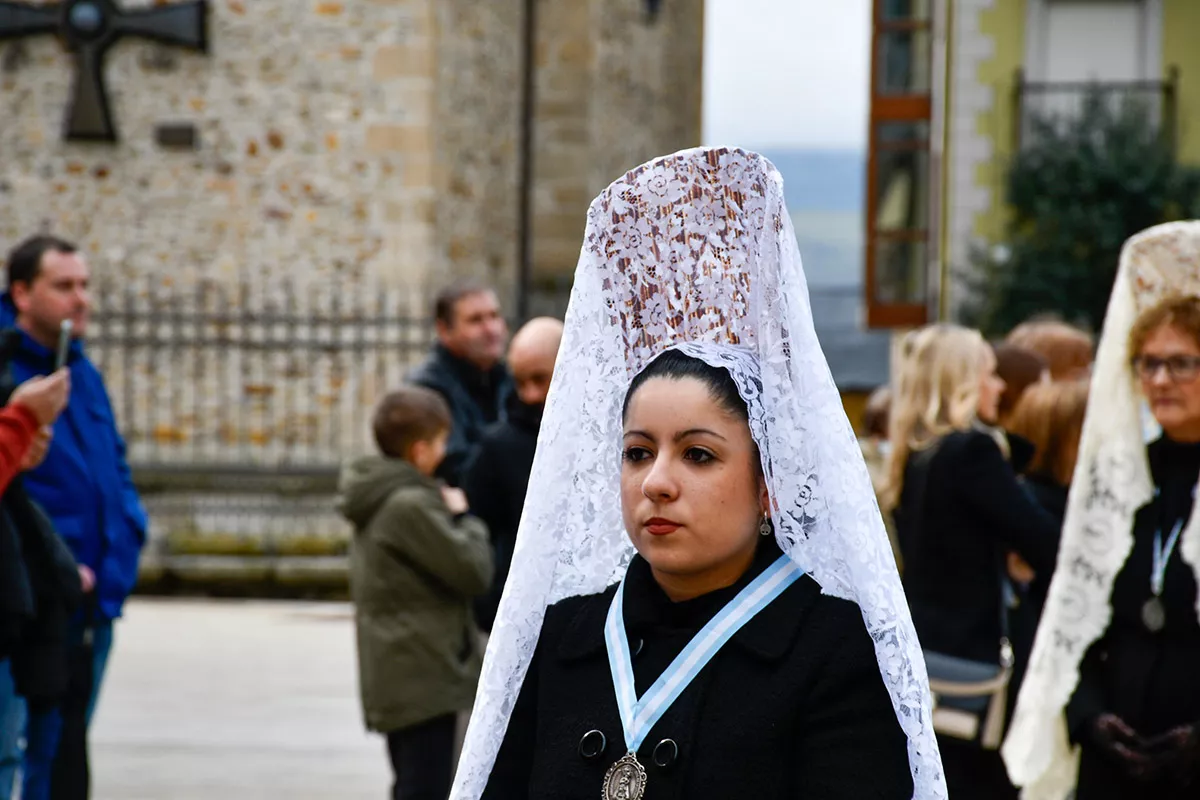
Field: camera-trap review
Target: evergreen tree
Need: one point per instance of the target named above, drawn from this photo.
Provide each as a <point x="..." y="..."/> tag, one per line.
<point x="1078" y="189"/>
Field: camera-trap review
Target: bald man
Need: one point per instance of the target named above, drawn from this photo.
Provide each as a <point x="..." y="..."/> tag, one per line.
<point x="497" y="478"/>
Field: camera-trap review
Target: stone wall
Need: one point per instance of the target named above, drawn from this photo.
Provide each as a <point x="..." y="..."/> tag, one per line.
<point x="352" y="154"/>
<point x="343" y="146"/>
<point x="477" y="134"/>
<point x="614" y="89"/>
<point x="314" y="156"/>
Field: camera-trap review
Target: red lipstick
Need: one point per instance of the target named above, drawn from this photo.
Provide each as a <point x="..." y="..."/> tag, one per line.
<point x="658" y="526"/>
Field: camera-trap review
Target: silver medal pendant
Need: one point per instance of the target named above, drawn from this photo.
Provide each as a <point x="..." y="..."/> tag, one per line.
<point x="625" y="780"/>
<point x="1154" y="616"/>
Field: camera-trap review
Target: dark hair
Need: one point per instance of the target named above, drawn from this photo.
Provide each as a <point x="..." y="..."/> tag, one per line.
<point x="875" y="415"/>
<point x="445" y="302"/>
<point x="1019" y="368"/>
<point x="677" y="365"/>
<point x="25" y="260"/>
<point x="407" y="416"/>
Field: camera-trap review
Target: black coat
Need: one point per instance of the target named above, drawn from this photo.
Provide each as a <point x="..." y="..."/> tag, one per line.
<point x="16" y="595"/>
<point x="960" y="511"/>
<point x="39" y="663"/>
<point x="476" y="399"/>
<point x="1052" y="497"/>
<point x="496" y="480"/>
<point x="39" y="590"/>
<point x="1152" y="681"/>
<point x="793" y="706"/>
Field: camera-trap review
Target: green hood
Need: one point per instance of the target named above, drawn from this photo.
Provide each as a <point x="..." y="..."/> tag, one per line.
<point x="366" y="483"/>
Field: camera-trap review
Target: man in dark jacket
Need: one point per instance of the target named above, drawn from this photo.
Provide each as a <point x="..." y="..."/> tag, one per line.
<point x="497" y="477"/>
<point x="84" y="484"/>
<point x="465" y="368"/>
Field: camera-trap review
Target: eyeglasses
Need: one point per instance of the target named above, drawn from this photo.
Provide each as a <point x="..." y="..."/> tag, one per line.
<point x="1180" y="369"/>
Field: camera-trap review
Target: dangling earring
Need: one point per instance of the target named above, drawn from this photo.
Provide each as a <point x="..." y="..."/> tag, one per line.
<point x="765" y="528"/>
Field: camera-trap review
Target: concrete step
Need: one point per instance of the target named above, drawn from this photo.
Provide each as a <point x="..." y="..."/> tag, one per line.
<point x="245" y="575"/>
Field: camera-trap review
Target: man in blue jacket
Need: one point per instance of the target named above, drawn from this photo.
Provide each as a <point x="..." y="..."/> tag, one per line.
<point x="84" y="483"/>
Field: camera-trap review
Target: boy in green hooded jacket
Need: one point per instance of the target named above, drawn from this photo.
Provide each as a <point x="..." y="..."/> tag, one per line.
<point x="417" y="560"/>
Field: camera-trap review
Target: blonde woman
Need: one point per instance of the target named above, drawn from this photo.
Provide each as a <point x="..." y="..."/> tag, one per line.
<point x="959" y="509"/>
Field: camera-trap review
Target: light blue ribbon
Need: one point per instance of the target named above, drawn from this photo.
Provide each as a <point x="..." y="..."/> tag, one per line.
<point x="639" y="716"/>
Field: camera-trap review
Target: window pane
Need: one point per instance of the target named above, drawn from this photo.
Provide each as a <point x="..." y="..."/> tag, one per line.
<point x="904" y="62"/>
<point x="902" y="190"/>
<point x="893" y="10"/>
<point x="900" y="272"/>
<point x="900" y="132"/>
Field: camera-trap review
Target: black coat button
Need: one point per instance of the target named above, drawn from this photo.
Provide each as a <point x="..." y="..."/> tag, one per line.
<point x="592" y="744"/>
<point x="665" y="753"/>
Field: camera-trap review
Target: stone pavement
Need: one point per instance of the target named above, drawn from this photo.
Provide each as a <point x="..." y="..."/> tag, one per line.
<point x="234" y="700"/>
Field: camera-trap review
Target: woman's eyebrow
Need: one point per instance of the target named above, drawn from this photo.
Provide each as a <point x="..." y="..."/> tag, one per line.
<point x="679" y="436"/>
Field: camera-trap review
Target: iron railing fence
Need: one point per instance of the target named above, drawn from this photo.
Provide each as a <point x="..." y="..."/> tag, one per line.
<point x="1040" y="102"/>
<point x="218" y="380"/>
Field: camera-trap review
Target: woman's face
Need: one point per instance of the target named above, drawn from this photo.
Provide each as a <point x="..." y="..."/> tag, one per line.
<point x="1168" y="367"/>
<point x="991" y="386"/>
<point x="692" y="495"/>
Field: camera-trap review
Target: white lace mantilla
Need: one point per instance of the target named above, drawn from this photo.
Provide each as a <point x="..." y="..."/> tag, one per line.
<point x="1112" y="481"/>
<point x="698" y="248"/>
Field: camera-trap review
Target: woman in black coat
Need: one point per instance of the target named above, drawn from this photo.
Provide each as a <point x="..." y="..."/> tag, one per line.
<point x="1136" y="710"/>
<point x="959" y="511"/>
<point x="695" y="452"/>
<point x="792" y="706"/>
<point x="1110" y="706"/>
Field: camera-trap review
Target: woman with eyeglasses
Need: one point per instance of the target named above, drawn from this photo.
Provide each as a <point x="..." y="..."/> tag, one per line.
<point x="1136" y="711"/>
<point x="1118" y="648"/>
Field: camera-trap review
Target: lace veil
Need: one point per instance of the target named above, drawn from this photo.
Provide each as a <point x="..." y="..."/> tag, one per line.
<point x="697" y="248"/>
<point x="1112" y="481"/>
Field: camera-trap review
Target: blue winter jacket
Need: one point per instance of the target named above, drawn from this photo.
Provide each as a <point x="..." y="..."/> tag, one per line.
<point x="84" y="484"/>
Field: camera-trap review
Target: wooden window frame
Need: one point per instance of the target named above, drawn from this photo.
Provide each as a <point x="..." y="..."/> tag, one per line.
<point x="888" y="108"/>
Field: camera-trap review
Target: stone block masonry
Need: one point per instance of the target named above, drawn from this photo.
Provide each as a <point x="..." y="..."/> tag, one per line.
<point x="343" y="146"/>
<point x="313" y="119"/>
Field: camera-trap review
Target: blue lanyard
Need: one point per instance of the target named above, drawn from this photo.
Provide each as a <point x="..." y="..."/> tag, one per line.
<point x="1158" y="571"/>
<point x="638" y="716"/>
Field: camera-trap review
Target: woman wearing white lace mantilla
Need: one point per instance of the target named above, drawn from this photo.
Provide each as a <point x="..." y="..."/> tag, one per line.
<point x="1117" y="655"/>
<point x="758" y="643"/>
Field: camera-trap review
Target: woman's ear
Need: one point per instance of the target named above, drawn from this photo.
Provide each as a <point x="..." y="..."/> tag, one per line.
<point x="764" y="497"/>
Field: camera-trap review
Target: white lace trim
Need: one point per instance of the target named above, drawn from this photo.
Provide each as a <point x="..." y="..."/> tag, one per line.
<point x="1112" y="481"/>
<point x="696" y="247"/>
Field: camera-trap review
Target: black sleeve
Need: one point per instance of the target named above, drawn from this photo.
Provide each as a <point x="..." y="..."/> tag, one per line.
<point x="44" y="547"/>
<point x="851" y="745"/>
<point x="1087" y="702"/>
<point x="513" y="770"/>
<point x="480" y="482"/>
<point x="985" y="481"/>
<point x="458" y="452"/>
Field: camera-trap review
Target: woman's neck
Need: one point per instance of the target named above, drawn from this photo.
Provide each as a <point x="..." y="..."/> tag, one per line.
<point x="1189" y="434"/>
<point x="688" y="586"/>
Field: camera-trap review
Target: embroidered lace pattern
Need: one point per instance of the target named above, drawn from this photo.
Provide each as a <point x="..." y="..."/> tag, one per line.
<point x="1112" y="481"/>
<point x="696" y="249"/>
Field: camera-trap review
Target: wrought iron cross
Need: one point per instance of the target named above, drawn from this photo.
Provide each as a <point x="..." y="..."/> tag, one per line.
<point x="88" y="28"/>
